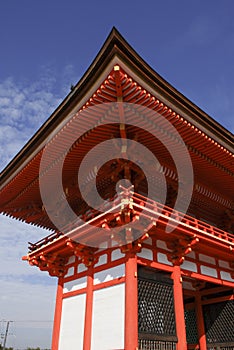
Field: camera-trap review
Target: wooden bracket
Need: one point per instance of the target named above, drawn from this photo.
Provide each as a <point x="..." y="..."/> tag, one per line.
<point x="85" y="253"/>
<point x="53" y="263"/>
<point x="180" y="248"/>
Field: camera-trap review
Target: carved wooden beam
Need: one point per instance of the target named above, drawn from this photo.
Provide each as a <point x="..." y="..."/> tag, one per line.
<point x="180" y="248"/>
<point x="53" y="263"/>
<point x="85" y="253"/>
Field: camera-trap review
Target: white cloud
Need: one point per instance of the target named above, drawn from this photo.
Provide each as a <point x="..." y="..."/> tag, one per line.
<point x="22" y="111"/>
<point x="24" y="106"/>
<point x="25" y="303"/>
<point x="14" y="236"/>
<point x="26" y="292"/>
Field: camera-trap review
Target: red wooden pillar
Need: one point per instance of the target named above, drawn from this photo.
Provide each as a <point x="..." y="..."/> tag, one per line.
<point x="57" y="315"/>
<point x="131" y="304"/>
<point x="200" y="323"/>
<point x="88" y="311"/>
<point x="179" y="309"/>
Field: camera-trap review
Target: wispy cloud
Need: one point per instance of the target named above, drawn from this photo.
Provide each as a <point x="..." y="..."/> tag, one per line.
<point x="30" y="307"/>
<point x="24" y="106"/>
<point x="22" y="110"/>
<point x="26" y="293"/>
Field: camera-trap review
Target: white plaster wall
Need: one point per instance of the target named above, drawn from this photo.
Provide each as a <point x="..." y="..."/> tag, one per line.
<point x="208" y="271"/>
<point x="226" y="276"/>
<point x="76" y="284"/>
<point x="116" y="254"/>
<point x="108" y="318"/>
<point x="207" y="259"/>
<point x="146" y="253"/>
<point x="109" y="274"/>
<point x="72" y="323"/>
<point x="162" y="258"/>
<point x="71" y="260"/>
<point x="188" y="265"/>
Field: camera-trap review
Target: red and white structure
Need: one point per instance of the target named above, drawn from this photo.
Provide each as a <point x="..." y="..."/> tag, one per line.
<point x="161" y="290"/>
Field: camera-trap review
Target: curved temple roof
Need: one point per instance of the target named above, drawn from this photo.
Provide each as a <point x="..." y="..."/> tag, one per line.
<point x="210" y="145"/>
<point x="116" y="45"/>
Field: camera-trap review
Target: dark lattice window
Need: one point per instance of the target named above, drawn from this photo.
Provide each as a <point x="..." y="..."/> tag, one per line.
<point x="220" y="347"/>
<point x="146" y="344"/>
<point x="156" y="317"/>
<point x="219" y="322"/>
<point x="191" y="326"/>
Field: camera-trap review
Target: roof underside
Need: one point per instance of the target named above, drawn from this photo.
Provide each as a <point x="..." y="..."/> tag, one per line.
<point x="209" y="144"/>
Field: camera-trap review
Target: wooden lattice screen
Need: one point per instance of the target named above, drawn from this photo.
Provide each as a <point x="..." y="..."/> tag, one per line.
<point x="191" y="326"/>
<point x="219" y="325"/>
<point x="156" y="316"/>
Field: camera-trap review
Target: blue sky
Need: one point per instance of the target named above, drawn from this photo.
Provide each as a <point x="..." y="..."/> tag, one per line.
<point x="45" y="46"/>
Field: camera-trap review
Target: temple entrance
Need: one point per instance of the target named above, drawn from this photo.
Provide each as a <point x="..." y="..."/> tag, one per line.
<point x="156" y="315"/>
<point x="209" y="314"/>
<point x="217" y="318"/>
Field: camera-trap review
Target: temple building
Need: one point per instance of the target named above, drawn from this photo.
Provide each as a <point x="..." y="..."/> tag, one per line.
<point x="135" y="184"/>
